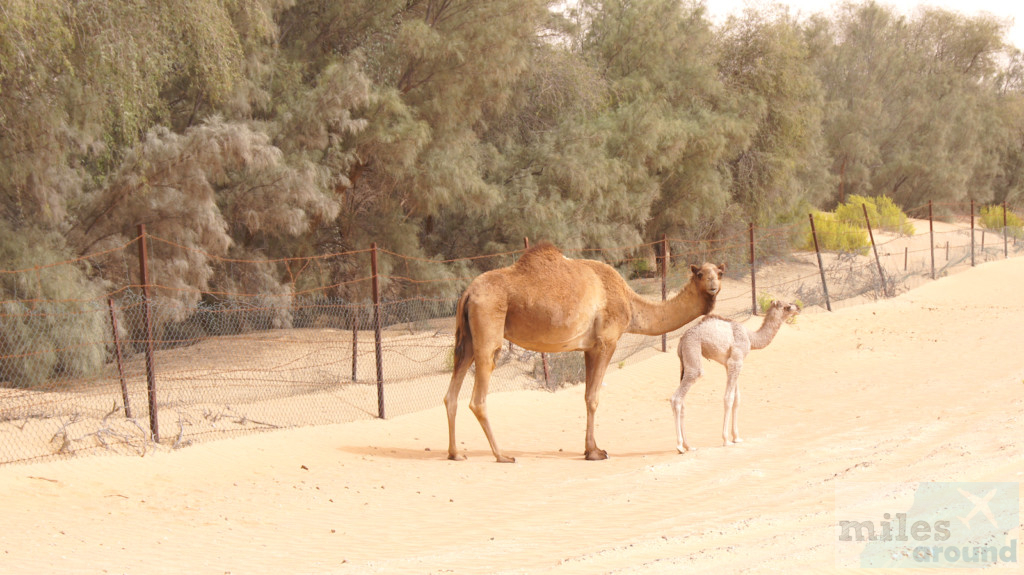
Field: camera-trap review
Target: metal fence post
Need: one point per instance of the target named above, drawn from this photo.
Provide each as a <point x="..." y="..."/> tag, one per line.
<point x="753" y="282"/>
<point x="377" y="331"/>
<point x="120" y="363"/>
<point x="931" y="236"/>
<point x="972" y="233"/>
<point x="1006" y="243"/>
<point x="147" y="319"/>
<point x="871" y="235"/>
<point x="821" y="266"/>
<point x="354" y="316"/>
<point x="664" y="283"/>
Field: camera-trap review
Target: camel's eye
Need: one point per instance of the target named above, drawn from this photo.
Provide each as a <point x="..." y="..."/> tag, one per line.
<point x="700" y="275"/>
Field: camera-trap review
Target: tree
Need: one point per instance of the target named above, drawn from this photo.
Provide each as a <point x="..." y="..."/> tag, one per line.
<point x="906" y="101"/>
<point x="670" y="122"/>
<point x="765" y="62"/>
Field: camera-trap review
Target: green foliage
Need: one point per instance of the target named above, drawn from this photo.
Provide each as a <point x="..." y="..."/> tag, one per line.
<point x="52" y="321"/>
<point x="764" y="301"/>
<point x="264" y="129"/>
<point x="913" y="107"/>
<point x="766" y="64"/>
<point x="670" y="124"/>
<point x="883" y="212"/>
<point x="640" y="268"/>
<point x="992" y="218"/>
<point x="836" y="236"/>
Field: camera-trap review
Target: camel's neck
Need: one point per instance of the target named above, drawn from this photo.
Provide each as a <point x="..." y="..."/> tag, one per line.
<point x="766" y="333"/>
<point x="657" y="317"/>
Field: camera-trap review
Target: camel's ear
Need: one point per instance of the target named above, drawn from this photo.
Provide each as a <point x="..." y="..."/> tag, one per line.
<point x="694" y="269"/>
<point x="721" y="268"/>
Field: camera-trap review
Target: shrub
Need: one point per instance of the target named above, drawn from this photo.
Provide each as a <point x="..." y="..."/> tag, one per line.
<point x="836" y="236"/>
<point x="992" y="218"/>
<point x="563" y="368"/>
<point x="641" y="268"/>
<point x="883" y="212"/>
<point x="764" y="301"/>
<point x="53" y="323"/>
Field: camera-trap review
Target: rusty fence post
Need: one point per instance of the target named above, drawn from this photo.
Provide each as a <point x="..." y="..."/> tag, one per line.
<point x="1006" y="243"/>
<point x="972" y="233"/>
<point x="931" y="236"/>
<point x="753" y="282"/>
<point x="120" y="363"/>
<point x="821" y="266"/>
<point x="354" y="315"/>
<point x="878" y="262"/>
<point x="147" y="318"/>
<point x="664" y="283"/>
<point x="378" y="352"/>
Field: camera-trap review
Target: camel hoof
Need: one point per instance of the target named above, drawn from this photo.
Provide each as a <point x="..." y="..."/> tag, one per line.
<point x="505" y="459"/>
<point x="596" y="455"/>
<point x="737" y="440"/>
<point x="456" y="457"/>
<point x="685" y="448"/>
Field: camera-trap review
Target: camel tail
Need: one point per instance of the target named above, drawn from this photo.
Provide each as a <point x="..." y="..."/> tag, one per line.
<point x="463" y="335"/>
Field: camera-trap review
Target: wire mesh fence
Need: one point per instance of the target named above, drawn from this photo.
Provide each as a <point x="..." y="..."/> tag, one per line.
<point x="124" y="372"/>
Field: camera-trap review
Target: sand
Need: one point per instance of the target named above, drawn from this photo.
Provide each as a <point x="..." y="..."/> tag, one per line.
<point x="927" y="386"/>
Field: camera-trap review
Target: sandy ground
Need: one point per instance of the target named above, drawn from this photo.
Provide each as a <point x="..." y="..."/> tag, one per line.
<point x="928" y="386"/>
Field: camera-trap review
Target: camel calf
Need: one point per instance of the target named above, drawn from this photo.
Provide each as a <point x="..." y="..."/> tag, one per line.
<point x="727" y="342"/>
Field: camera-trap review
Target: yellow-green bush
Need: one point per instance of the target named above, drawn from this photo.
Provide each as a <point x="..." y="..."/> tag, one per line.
<point x="764" y="301"/>
<point x="837" y="236"/>
<point x="884" y="214"/>
<point x="992" y="218"/>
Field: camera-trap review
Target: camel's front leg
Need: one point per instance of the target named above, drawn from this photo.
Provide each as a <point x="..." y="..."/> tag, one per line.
<point x="735" y="419"/>
<point x="596" y="364"/>
<point x="731" y="403"/>
<point x="679" y="408"/>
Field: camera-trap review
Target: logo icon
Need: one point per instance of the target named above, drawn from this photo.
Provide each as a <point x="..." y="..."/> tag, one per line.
<point x="981" y="504"/>
<point x="914" y="525"/>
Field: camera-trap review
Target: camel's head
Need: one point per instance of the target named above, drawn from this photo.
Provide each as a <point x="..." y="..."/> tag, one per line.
<point x="784" y="310"/>
<point x="708" y="278"/>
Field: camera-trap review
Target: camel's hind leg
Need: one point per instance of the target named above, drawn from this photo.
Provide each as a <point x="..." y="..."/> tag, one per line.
<point x="732" y="402"/>
<point x="451" y="399"/>
<point x="596" y="361"/>
<point x="485" y="363"/>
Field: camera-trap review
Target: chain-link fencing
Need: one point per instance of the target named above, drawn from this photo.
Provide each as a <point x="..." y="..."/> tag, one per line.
<point x="127" y="373"/>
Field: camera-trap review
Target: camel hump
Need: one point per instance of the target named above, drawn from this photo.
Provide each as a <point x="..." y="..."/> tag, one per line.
<point x="542" y="255"/>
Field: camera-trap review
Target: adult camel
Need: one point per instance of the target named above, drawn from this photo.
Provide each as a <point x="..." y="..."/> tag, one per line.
<point x="548" y="303"/>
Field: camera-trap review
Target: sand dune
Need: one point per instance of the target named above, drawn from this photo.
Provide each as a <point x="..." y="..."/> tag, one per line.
<point x="927" y="386"/>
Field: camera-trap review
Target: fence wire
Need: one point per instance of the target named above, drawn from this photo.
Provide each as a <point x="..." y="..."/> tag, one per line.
<point x="75" y="377"/>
